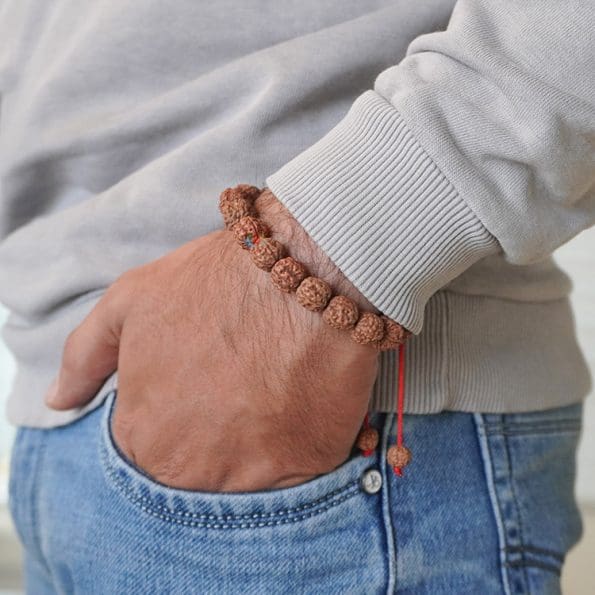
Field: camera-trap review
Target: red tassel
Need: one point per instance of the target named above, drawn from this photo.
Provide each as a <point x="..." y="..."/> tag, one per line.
<point x="397" y="455"/>
<point x="400" y="452"/>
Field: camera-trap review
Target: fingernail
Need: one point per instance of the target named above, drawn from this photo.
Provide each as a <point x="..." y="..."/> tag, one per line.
<point x="52" y="393"/>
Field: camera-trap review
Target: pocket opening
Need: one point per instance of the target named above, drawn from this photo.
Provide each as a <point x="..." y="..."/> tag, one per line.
<point x="226" y="510"/>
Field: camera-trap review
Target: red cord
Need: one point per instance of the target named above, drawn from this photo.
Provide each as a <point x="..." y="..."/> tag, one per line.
<point x="400" y="400"/>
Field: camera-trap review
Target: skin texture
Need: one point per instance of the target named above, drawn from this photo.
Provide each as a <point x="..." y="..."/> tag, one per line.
<point x="224" y="383"/>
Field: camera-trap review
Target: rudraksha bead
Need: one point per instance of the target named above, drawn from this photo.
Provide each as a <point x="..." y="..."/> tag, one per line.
<point x="368" y="328"/>
<point x="266" y="252"/>
<point x="313" y="293"/>
<point x="234" y="209"/>
<point x="394" y="334"/>
<point x="367" y="440"/>
<point x="287" y="274"/>
<point x="398" y="456"/>
<point x="245" y="191"/>
<point x="341" y="313"/>
<point x="237" y="202"/>
<point x="248" y="230"/>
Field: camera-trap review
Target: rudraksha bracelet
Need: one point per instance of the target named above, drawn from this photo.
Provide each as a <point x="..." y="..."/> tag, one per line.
<point x="237" y="205"/>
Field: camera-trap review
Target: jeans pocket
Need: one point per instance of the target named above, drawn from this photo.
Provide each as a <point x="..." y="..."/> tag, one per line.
<point x="295" y="539"/>
<point x="226" y="510"/>
<point x="530" y="461"/>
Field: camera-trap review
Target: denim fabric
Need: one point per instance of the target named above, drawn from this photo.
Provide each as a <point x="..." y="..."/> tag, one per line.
<point x="486" y="506"/>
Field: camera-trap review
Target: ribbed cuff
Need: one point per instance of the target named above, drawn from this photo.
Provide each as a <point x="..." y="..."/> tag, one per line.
<point x="374" y="201"/>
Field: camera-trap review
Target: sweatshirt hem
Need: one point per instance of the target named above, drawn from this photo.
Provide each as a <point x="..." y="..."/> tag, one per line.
<point x="487" y="355"/>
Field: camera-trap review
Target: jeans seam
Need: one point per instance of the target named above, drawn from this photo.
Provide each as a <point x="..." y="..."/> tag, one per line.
<point x="537" y="428"/>
<point x="486" y="456"/>
<point x="514" y="498"/>
<point x="331" y="499"/>
<point x="537" y="432"/>
<point x="531" y="424"/>
<point x="228" y="517"/>
<point x="386" y="508"/>
<point x="181" y="516"/>
<point x="530" y="549"/>
<point x="528" y="563"/>
<point x="223" y="525"/>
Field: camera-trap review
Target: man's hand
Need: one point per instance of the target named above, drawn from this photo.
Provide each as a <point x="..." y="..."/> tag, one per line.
<point x="224" y="382"/>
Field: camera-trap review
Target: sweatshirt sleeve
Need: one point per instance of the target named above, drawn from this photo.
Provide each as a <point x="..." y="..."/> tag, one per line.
<point x="481" y="140"/>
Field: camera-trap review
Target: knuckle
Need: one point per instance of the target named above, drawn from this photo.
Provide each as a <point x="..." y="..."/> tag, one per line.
<point x="122" y="287"/>
<point x="122" y="283"/>
<point x="125" y="278"/>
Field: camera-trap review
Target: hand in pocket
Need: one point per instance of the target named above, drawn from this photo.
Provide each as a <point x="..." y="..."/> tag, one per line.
<point x="224" y="383"/>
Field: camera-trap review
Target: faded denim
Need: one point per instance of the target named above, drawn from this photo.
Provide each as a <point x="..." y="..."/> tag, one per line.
<point x="486" y="507"/>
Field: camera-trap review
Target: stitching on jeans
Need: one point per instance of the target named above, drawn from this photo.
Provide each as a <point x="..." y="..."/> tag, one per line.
<point x="282" y="512"/>
<point x="148" y="504"/>
<point x="514" y="498"/>
<point x="534" y="426"/>
<point x="105" y="456"/>
<point x="534" y="563"/>
<point x="536" y="550"/>
<point x="487" y="457"/>
<point x="536" y="431"/>
<point x="390" y="534"/>
<point x="537" y="423"/>
<point x="150" y="510"/>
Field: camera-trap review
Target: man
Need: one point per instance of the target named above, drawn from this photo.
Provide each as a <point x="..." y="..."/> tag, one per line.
<point x="425" y="160"/>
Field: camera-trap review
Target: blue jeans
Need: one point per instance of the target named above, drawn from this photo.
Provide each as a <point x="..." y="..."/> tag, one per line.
<point x="486" y="506"/>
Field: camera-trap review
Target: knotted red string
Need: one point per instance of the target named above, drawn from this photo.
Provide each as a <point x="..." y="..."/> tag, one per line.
<point x="397" y="455"/>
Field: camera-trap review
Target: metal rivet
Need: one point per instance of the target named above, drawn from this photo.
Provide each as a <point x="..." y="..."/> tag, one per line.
<point x="371" y="481"/>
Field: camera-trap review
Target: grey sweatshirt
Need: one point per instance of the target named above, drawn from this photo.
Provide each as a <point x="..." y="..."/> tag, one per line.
<point x="437" y="151"/>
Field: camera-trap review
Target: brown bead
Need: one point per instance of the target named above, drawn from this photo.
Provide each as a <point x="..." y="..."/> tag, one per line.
<point x="394" y="334"/>
<point x="287" y="274"/>
<point x="249" y="230"/>
<point x="244" y="191"/>
<point x="237" y="202"/>
<point x="341" y="313"/>
<point x="234" y="209"/>
<point x="266" y="253"/>
<point x="313" y="293"/>
<point x="398" y="456"/>
<point x="369" y="328"/>
<point x="367" y="439"/>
